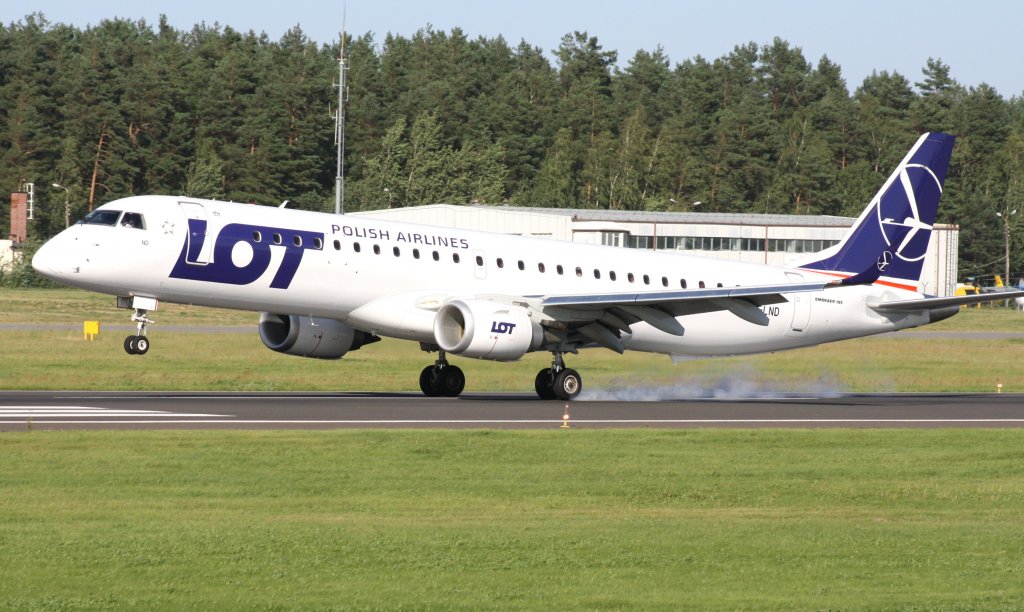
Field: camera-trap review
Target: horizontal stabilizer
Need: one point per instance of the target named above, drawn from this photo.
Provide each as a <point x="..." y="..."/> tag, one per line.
<point x="942" y="302"/>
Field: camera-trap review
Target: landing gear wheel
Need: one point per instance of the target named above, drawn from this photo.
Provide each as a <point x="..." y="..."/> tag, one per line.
<point x="450" y="381"/>
<point x="136" y="345"/>
<point x="438" y="381"/>
<point x="568" y="384"/>
<point x="442" y="378"/>
<point x="428" y="382"/>
<point x="545" y="384"/>
<point x="141" y="345"/>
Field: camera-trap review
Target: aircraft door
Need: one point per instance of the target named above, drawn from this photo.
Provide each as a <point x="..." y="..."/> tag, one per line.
<point x="199" y="248"/>
<point x="801" y="303"/>
<point x="479" y="264"/>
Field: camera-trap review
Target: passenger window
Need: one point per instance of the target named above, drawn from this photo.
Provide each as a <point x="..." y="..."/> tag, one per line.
<point x="337" y="245"/>
<point x="479" y="260"/>
<point x="436" y="256"/>
<point x="277" y="238"/>
<point x="318" y="244"/>
<point x="719" y="284"/>
<point x="455" y="257"/>
<point x="611" y="275"/>
<point x="630" y="277"/>
<point x="540" y="268"/>
<point x="376" y="249"/>
<point x="558" y="269"/>
<point x="501" y="263"/>
<point x="396" y="251"/>
<point x="682" y="283"/>
<point x="132" y="220"/>
<point x="297" y="240"/>
<point x="597" y="273"/>
<point x="579" y="271"/>
<point x="664" y="281"/>
<point x="647" y="280"/>
<point x="701" y="284"/>
<point x="415" y="253"/>
<point x="355" y="247"/>
<point x="521" y="265"/>
<point x="258" y="237"/>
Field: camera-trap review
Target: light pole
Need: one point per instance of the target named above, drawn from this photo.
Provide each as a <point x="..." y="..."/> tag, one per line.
<point x="67" y="204"/>
<point x="1006" y="242"/>
<point x="390" y="196"/>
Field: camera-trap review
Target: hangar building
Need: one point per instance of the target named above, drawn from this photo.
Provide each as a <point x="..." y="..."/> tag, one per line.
<point x="765" y="239"/>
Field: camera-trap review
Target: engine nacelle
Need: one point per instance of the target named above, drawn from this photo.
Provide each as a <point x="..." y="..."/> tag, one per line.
<point x="486" y="330"/>
<point x="310" y="336"/>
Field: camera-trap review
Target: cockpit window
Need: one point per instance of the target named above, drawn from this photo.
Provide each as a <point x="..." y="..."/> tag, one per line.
<point x="102" y="217"/>
<point x="134" y="220"/>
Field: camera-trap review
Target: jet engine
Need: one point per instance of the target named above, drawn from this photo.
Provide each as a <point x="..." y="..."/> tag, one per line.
<point x="486" y="330"/>
<point x="311" y="336"/>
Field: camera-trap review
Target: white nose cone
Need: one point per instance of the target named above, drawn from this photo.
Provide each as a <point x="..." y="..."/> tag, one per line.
<point x="48" y="261"/>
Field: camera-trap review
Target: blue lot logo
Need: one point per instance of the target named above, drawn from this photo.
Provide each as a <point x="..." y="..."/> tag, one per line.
<point x="501" y="327"/>
<point x="221" y="266"/>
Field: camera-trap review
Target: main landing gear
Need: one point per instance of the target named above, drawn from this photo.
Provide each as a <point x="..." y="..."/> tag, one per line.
<point x="442" y="379"/>
<point x="445" y="380"/>
<point x="139" y="343"/>
<point x="558" y="381"/>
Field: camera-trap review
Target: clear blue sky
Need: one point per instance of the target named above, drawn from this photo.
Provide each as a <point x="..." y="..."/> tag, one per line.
<point x="980" y="40"/>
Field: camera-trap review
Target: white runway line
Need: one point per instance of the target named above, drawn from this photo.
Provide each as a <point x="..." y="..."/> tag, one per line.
<point x="50" y="412"/>
<point x="188" y="421"/>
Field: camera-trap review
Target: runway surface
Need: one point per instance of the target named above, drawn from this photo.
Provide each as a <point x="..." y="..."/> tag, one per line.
<point x="111" y="410"/>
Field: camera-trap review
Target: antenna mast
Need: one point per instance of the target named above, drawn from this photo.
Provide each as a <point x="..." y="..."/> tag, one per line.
<point x="339" y="125"/>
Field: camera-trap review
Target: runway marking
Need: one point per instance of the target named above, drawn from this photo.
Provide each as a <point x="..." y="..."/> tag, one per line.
<point x="189" y="421"/>
<point x="50" y="412"/>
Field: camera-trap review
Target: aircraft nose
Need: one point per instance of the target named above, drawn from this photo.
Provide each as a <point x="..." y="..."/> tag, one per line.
<point x="47" y="261"/>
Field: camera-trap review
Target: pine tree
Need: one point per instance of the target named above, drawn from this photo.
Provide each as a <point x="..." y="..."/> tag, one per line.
<point x="205" y="176"/>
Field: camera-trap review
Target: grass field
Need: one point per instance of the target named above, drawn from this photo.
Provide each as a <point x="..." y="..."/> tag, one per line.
<point x="512" y="520"/>
<point x="50" y="359"/>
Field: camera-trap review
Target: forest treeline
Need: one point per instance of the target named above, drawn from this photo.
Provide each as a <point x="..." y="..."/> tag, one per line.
<point x="128" y="108"/>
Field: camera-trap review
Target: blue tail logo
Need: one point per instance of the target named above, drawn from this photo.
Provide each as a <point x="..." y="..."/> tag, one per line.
<point x="890" y="238"/>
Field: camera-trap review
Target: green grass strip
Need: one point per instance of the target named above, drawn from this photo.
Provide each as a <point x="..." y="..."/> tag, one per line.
<point x="601" y="519"/>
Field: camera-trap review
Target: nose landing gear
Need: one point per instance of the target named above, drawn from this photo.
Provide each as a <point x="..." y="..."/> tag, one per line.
<point x="139" y="343"/>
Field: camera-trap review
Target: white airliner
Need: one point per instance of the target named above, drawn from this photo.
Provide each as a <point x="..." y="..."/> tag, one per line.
<point x="329" y="284"/>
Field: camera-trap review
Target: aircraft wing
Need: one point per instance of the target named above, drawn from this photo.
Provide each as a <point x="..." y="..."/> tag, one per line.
<point x="760" y="294"/>
<point x="942" y="302"/>
<point x="600" y="317"/>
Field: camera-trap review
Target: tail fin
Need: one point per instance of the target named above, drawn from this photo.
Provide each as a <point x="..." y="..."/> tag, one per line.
<point x="890" y="238"/>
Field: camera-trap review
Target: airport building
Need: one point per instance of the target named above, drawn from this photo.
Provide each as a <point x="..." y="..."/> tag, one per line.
<point x="765" y="239"/>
